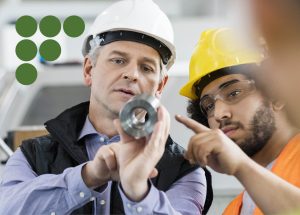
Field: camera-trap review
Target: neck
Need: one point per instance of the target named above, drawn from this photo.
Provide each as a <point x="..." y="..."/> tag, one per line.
<point x="102" y="120"/>
<point x="280" y="138"/>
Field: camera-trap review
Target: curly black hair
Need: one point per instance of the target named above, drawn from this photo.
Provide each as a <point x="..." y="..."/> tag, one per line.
<point x="194" y="112"/>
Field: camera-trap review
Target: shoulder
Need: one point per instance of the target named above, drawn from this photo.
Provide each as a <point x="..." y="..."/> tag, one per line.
<point x="45" y="143"/>
<point x="38" y="148"/>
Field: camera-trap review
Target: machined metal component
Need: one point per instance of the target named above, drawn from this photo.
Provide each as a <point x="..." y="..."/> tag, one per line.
<point x="139" y="115"/>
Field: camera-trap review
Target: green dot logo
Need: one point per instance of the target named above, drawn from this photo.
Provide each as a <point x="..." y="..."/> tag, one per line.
<point x="50" y="26"/>
<point x="26" y="74"/>
<point x="50" y="50"/>
<point x="26" y="26"/>
<point x="26" y="50"/>
<point x="74" y="26"/>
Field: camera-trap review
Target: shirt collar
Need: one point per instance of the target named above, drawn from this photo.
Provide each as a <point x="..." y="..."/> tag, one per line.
<point x="89" y="129"/>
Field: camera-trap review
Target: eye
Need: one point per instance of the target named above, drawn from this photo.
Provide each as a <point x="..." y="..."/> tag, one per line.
<point x="234" y="93"/>
<point x="209" y="107"/>
<point x="118" y="61"/>
<point x="147" y="69"/>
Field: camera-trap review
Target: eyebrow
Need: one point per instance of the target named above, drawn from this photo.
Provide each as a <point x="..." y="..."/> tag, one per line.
<point x="227" y="83"/>
<point x="118" y="53"/>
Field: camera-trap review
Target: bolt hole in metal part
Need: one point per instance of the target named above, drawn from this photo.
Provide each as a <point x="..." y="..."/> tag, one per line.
<point x="139" y="115"/>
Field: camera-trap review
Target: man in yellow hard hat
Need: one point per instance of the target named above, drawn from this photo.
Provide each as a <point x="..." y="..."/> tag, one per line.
<point x="247" y="133"/>
<point x="88" y="164"/>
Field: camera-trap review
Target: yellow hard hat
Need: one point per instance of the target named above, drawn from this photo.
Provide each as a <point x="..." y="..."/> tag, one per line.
<point x="217" y="49"/>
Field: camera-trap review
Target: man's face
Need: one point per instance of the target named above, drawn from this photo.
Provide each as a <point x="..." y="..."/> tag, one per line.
<point x="123" y="69"/>
<point x="249" y="122"/>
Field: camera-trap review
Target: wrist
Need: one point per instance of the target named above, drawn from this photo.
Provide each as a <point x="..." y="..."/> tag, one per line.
<point x="90" y="178"/>
<point x="136" y="191"/>
<point x="243" y="168"/>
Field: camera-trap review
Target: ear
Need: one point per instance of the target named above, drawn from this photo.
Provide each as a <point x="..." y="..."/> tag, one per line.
<point x="87" y="71"/>
<point x="278" y="105"/>
<point x="161" y="86"/>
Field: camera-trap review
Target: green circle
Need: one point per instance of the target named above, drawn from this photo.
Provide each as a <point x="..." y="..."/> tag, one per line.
<point x="74" y="26"/>
<point x="26" y="50"/>
<point x="50" y="50"/>
<point x="26" y="74"/>
<point x="26" y="26"/>
<point x="50" y="26"/>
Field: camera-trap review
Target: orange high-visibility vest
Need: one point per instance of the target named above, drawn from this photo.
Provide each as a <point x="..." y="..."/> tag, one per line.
<point x="286" y="166"/>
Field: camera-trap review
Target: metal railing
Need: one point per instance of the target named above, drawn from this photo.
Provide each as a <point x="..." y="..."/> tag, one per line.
<point x="5" y="148"/>
<point x="7" y="98"/>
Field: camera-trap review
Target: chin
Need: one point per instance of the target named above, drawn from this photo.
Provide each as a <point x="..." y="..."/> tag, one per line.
<point x="238" y="141"/>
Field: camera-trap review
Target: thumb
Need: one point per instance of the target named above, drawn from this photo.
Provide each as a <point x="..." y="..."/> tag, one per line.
<point x="123" y="136"/>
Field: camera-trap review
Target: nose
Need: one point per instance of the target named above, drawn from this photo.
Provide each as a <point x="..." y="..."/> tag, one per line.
<point x="222" y="111"/>
<point x="131" y="74"/>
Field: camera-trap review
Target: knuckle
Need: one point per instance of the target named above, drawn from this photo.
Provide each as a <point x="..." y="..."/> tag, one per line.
<point x="194" y="138"/>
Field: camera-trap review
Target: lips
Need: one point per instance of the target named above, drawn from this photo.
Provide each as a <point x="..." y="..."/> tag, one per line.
<point x="126" y="91"/>
<point x="229" y="130"/>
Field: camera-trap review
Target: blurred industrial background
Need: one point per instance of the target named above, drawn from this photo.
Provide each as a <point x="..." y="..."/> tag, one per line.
<point x="60" y="85"/>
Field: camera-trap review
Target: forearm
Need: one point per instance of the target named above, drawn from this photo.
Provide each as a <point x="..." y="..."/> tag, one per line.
<point x="270" y="193"/>
<point x="186" y="196"/>
<point x="155" y="202"/>
<point x="45" y="194"/>
<point x="22" y="191"/>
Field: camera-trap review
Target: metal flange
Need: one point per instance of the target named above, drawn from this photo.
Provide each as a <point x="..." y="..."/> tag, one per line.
<point x="139" y="115"/>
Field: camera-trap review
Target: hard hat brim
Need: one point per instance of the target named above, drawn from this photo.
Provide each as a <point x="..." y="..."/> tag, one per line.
<point x="188" y="90"/>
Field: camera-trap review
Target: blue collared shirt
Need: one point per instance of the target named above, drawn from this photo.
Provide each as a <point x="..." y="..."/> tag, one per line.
<point x="22" y="191"/>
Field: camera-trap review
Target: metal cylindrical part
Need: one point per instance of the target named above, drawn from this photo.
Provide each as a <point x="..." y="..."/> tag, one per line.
<point x="139" y="115"/>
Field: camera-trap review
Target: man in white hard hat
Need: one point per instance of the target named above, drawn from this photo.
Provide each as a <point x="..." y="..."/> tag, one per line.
<point x="87" y="164"/>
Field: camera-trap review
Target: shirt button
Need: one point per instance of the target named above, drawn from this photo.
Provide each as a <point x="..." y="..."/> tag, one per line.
<point x="102" y="202"/>
<point x="52" y="213"/>
<point x="102" y="139"/>
<point x="139" y="209"/>
<point x="92" y="199"/>
<point x="128" y="205"/>
<point x="81" y="194"/>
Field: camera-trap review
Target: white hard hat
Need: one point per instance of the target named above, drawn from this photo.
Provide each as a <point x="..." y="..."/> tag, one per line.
<point x="134" y="20"/>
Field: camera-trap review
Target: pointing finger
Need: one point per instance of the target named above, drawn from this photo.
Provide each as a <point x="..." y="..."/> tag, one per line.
<point x="192" y="124"/>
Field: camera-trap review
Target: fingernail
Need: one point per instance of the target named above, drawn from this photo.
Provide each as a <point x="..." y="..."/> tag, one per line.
<point x="178" y="116"/>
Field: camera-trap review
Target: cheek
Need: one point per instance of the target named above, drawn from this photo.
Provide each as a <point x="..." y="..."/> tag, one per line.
<point x="149" y="83"/>
<point x="212" y="123"/>
<point x="245" y="112"/>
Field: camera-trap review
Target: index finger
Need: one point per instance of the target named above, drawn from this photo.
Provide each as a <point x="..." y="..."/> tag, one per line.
<point x="191" y="124"/>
